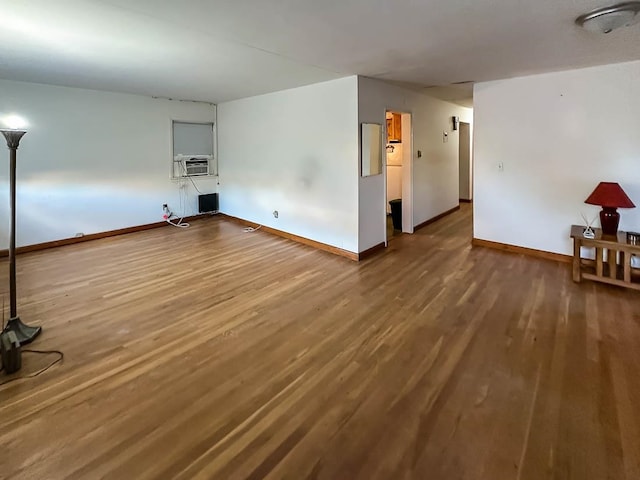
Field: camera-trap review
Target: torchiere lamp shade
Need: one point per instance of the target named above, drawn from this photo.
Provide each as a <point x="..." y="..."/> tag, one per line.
<point x="610" y="196"/>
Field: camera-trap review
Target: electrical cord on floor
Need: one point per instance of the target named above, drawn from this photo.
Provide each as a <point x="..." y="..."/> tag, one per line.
<point x="169" y="215"/>
<point x="251" y="229"/>
<point x="180" y="223"/>
<point x="42" y="370"/>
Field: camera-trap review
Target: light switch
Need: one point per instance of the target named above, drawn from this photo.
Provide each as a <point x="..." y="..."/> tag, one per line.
<point x="501" y="167"/>
<point x="445" y="137"/>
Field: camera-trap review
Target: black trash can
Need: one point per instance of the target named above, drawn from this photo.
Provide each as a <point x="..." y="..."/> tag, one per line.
<point x="396" y="213"/>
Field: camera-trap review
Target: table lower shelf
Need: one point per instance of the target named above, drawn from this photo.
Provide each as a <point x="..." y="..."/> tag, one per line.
<point x="588" y="272"/>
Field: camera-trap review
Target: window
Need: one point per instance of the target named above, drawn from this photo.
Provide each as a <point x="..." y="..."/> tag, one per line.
<point x="193" y="149"/>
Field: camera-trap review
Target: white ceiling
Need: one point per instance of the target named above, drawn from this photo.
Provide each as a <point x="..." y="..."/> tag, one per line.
<point x="217" y="50"/>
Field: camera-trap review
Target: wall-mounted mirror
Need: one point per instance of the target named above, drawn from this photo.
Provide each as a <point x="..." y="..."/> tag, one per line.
<point x="371" y="149"/>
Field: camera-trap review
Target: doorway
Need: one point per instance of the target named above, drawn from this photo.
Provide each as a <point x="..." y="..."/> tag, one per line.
<point x="398" y="174"/>
<point x="465" y="170"/>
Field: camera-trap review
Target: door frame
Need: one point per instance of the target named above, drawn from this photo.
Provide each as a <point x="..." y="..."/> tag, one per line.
<point x="407" y="172"/>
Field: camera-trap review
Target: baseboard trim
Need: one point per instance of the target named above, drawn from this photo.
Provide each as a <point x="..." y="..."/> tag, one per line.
<point x="371" y="251"/>
<point x="531" y="252"/>
<point x="296" y="238"/>
<point x="464" y="200"/>
<point x="436" y="218"/>
<point x="95" y="236"/>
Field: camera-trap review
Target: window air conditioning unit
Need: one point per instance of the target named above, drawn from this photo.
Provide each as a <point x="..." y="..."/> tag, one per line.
<point x="195" y="165"/>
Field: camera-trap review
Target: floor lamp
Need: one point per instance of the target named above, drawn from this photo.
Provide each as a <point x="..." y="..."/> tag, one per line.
<point x="24" y="333"/>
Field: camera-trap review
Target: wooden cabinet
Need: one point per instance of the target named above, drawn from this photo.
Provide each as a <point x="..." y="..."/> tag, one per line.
<point x="394" y="128"/>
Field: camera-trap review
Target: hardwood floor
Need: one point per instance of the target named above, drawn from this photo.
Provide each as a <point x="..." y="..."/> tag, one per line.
<point x="213" y="353"/>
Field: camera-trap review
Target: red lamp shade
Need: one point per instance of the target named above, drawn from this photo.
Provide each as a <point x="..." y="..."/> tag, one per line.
<point x="611" y="195"/>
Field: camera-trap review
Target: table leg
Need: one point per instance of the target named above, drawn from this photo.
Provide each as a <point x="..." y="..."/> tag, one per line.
<point x="576" y="260"/>
<point x="599" y="259"/>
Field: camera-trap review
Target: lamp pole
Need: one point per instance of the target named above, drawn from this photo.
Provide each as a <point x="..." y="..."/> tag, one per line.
<point x="24" y="333"/>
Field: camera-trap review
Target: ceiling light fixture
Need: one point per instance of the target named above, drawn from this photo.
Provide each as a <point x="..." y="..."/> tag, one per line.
<point x="608" y="19"/>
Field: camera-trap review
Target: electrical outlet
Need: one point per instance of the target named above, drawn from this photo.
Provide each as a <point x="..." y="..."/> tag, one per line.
<point x="79" y="235"/>
<point x="164" y="206"/>
<point x="501" y="167"/>
<point x="275" y="213"/>
<point x="445" y="137"/>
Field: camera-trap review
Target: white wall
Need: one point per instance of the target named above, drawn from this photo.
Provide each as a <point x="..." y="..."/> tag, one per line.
<point x="557" y="135"/>
<point x="435" y="174"/>
<point x="91" y="161"/>
<point x="294" y="151"/>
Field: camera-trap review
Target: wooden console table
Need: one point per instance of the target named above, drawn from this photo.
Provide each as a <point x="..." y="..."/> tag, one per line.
<point x="614" y="268"/>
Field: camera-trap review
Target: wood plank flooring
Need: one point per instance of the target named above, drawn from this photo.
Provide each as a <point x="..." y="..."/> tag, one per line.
<point x="216" y="354"/>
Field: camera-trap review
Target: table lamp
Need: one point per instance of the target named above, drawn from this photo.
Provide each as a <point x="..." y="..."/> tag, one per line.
<point x="610" y="196"/>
